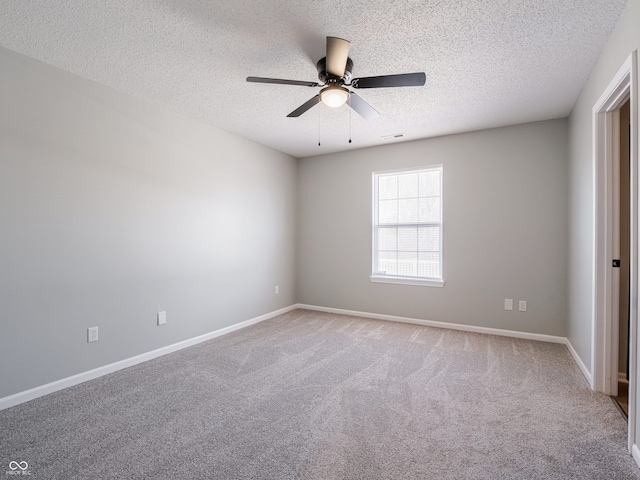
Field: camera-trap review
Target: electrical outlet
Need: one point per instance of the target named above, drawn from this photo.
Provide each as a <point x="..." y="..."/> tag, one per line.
<point x="522" y="306"/>
<point x="508" y="303"/>
<point x="162" y="318"/>
<point x="92" y="334"/>
<point x="277" y="289"/>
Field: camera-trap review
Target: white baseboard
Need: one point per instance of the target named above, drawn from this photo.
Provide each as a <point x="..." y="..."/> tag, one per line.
<point x="622" y="377"/>
<point x="635" y="453"/>
<point x="42" y="390"/>
<point x="581" y="365"/>
<point x="465" y="328"/>
<point x="430" y="323"/>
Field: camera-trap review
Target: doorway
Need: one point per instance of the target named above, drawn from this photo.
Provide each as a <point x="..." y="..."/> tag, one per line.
<point x="606" y="365"/>
<point x="623" y="150"/>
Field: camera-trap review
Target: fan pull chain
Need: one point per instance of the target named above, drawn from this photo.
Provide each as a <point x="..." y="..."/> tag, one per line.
<point x="318" y="127"/>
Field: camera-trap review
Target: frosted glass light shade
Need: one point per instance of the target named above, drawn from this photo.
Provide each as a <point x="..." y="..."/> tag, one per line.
<point x="334" y="96"/>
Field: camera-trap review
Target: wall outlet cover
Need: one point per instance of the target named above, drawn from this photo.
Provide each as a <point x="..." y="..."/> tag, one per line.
<point x="162" y="317"/>
<point x="508" y="303"/>
<point x="92" y="334"/>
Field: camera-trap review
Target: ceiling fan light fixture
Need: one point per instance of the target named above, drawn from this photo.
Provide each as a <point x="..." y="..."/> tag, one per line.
<point x="334" y="96"/>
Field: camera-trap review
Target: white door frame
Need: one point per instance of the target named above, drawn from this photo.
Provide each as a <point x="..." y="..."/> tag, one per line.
<point x="606" y="243"/>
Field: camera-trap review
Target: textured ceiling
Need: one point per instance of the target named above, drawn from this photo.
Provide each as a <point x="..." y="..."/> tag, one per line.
<point x="488" y="62"/>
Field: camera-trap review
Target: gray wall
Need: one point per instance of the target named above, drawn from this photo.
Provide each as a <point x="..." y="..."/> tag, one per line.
<point x="112" y="209"/>
<point x="505" y="220"/>
<point x="625" y="39"/>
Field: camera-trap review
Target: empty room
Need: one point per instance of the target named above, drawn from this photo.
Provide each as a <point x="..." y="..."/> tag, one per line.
<point x="319" y="240"/>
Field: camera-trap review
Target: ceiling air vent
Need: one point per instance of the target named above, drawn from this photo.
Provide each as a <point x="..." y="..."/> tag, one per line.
<point x="396" y="136"/>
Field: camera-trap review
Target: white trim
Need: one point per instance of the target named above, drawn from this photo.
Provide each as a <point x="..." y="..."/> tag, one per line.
<point x="603" y="369"/>
<point x="63" y="383"/>
<point x="406" y="281"/>
<point x="635" y="453"/>
<point x="580" y="363"/>
<point x="431" y="323"/>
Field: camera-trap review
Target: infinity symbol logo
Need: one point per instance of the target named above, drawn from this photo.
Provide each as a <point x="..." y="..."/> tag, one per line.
<point x="13" y="465"/>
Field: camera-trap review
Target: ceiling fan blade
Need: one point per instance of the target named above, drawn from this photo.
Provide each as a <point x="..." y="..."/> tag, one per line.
<point x="281" y="81"/>
<point x="337" y="55"/>
<point x="362" y="108"/>
<point x="312" y="102"/>
<point x="401" y="80"/>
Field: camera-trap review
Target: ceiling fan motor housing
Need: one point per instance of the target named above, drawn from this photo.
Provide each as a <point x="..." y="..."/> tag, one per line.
<point x="325" y="78"/>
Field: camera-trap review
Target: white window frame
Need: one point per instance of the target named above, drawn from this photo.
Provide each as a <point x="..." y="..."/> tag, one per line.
<point x="378" y="277"/>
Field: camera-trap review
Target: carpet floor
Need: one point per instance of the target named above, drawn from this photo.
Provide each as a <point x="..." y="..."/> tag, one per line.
<point x="310" y="395"/>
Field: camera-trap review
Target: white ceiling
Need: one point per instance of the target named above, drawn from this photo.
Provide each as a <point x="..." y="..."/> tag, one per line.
<point x="488" y="62"/>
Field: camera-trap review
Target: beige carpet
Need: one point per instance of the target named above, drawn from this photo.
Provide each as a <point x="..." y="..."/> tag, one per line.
<point x="311" y="395"/>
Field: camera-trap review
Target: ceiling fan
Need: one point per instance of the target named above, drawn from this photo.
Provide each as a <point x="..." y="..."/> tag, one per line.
<point x="334" y="71"/>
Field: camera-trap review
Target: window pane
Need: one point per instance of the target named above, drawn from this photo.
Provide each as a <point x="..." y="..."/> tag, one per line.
<point x="387" y="239"/>
<point x="429" y="239"/>
<point x="408" y="210"/>
<point x="429" y="265"/>
<point x="408" y="264"/>
<point x="387" y="187"/>
<point x="407" y="239"/>
<point x="387" y="263"/>
<point x="429" y="210"/>
<point x="408" y="185"/>
<point x="430" y="183"/>
<point x="388" y="211"/>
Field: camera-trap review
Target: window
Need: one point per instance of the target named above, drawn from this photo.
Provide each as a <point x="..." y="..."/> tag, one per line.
<point x="407" y="226"/>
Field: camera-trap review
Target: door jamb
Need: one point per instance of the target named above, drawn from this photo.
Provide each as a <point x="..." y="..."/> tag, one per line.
<point x="604" y="365"/>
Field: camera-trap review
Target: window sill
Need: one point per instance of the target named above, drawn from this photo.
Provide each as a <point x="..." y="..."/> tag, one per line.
<point x="407" y="281"/>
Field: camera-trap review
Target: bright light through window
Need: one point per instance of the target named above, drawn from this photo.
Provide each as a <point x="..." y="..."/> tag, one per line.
<point x="407" y="226"/>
